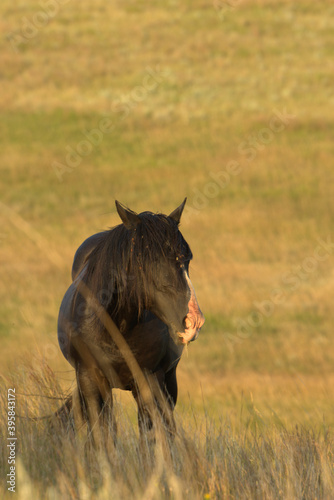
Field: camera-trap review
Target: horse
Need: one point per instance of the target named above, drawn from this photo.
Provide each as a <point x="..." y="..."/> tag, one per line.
<point x="127" y="316"/>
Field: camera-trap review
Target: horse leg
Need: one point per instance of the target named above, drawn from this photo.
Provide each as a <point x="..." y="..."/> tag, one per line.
<point x="145" y="422"/>
<point x="89" y="400"/>
<point x="108" y="421"/>
<point x="77" y="409"/>
<point x="170" y="388"/>
<point x="147" y="430"/>
<point x="163" y="403"/>
<point x="97" y="403"/>
<point x="165" y="396"/>
<point x="95" y="389"/>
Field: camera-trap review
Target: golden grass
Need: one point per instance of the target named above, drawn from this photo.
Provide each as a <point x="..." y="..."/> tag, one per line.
<point x="223" y="76"/>
<point x="207" y="459"/>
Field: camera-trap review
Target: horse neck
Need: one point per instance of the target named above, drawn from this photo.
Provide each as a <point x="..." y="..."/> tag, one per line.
<point x="125" y="317"/>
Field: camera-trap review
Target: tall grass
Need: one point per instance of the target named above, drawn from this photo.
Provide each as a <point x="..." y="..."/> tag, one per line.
<point x="205" y="460"/>
<point x="226" y="67"/>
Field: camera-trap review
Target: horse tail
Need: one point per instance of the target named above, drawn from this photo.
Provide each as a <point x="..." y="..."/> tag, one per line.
<point x="64" y="413"/>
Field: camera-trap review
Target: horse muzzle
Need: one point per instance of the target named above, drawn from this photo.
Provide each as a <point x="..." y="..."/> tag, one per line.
<point x="194" y="319"/>
<point x="193" y="324"/>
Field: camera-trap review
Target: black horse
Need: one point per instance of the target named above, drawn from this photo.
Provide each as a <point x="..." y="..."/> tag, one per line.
<point x="130" y="311"/>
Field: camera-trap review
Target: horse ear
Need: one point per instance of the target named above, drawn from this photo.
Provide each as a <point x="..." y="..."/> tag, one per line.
<point x="129" y="218"/>
<point x="176" y="214"/>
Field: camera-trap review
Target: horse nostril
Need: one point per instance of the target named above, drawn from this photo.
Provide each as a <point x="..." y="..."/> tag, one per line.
<point x="188" y="323"/>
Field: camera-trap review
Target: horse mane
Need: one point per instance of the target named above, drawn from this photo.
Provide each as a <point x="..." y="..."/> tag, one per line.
<point x="126" y="261"/>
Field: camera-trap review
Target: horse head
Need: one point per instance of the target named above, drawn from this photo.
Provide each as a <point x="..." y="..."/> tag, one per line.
<point x="158" y="270"/>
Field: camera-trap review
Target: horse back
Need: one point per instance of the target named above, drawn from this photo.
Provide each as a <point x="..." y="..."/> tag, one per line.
<point x="84" y="251"/>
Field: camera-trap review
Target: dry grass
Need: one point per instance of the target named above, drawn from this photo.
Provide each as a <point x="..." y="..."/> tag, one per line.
<point x="222" y="76"/>
<point x="206" y="459"/>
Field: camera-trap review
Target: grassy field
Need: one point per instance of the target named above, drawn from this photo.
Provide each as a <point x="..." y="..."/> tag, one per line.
<point x="227" y="103"/>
